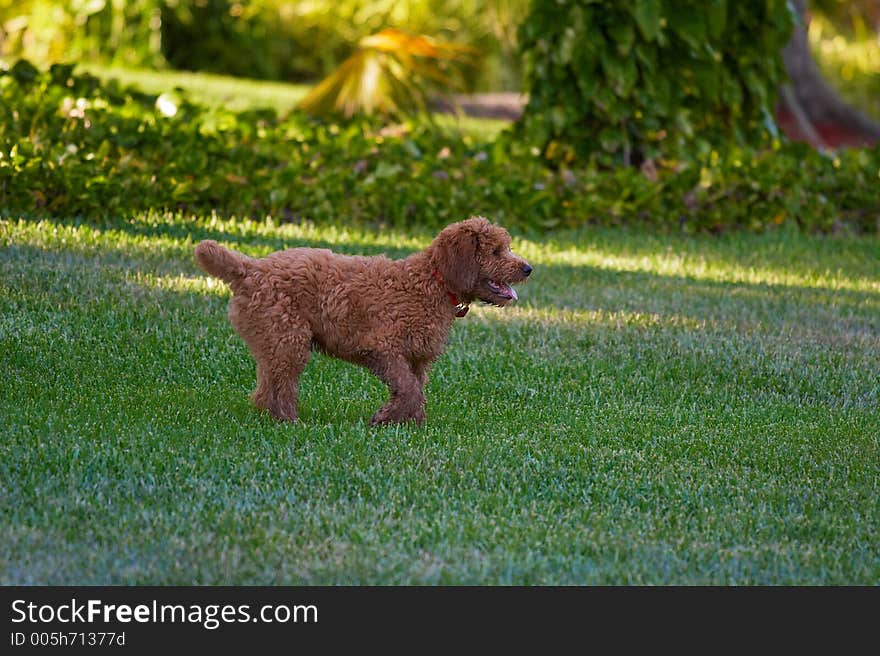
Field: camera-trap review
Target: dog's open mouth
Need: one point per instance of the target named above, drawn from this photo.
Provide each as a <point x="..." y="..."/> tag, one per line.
<point x="502" y="290"/>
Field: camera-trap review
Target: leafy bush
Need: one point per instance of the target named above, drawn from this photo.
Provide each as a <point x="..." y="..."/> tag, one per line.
<point x="72" y="146"/>
<point x="618" y="83"/>
<point x="127" y="33"/>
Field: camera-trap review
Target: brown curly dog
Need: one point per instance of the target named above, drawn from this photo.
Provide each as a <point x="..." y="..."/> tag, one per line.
<point x="390" y="316"/>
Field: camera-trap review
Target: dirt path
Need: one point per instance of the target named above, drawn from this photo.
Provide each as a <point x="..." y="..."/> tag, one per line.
<point x="487" y="105"/>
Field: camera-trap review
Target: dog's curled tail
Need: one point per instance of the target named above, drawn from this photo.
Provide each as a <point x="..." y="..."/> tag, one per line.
<point x="220" y="262"/>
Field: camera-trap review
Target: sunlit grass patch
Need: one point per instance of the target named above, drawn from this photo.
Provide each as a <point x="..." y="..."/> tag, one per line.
<point x="182" y="283"/>
<point x="484" y="129"/>
<point x="547" y="315"/>
<point x="758" y="263"/>
<point x="235" y="94"/>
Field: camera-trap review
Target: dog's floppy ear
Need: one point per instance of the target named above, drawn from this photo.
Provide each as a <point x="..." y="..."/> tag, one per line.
<point x="455" y="256"/>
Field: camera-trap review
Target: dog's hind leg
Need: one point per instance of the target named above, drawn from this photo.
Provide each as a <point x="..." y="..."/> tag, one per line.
<point x="278" y="372"/>
<point x="407" y="402"/>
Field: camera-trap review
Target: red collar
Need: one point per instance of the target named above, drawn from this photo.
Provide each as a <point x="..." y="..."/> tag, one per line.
<point x="461" y="308"/>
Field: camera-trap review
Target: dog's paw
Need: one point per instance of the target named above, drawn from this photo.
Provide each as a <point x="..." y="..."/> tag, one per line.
<point x="381" y="418"/>
<point x="284" y="412"/>
<point x="385" y="416"/>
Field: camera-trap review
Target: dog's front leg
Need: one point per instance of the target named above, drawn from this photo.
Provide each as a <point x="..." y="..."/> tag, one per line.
<point x="421" y="368"/>
<point x="407" y="402"/>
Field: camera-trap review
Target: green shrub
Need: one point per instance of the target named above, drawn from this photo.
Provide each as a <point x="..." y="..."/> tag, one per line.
<point x="621" y="82"/>
<point x="72" y="146"/>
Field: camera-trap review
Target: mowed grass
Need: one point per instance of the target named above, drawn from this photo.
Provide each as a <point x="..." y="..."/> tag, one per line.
<point x="241" y="94"/>
<point x="654" y="410"/>
<point x="234" y="94"/>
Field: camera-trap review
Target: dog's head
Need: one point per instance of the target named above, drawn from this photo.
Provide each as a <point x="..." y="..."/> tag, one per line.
<point x="475" y="260"/>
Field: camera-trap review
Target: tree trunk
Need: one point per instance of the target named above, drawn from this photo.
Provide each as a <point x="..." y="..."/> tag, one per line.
<point x="809" y="98"/>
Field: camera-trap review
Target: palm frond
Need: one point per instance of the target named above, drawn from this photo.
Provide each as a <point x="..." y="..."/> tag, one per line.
<point x="390" y="73"/>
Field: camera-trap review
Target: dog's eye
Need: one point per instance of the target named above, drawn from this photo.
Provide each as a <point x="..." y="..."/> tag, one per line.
<point x="496" y="252"/>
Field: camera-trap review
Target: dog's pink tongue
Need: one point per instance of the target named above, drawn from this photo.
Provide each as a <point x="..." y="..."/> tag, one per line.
<point x="507" y="291"/>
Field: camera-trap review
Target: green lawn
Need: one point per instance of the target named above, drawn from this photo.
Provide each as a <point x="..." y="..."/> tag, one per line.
<point x="653" y="410"/>
<point x="235" y="94"/>
<point x="240" y="94"/>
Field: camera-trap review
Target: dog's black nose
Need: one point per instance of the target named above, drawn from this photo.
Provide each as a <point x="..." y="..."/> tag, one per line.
<point x="526" y="269"/>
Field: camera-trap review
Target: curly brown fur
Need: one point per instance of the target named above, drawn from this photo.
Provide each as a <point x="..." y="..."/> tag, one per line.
<point x="391" y="316"/>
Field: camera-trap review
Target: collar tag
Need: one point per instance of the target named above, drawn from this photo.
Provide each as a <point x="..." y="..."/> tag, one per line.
<point x="461" y="309"/>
